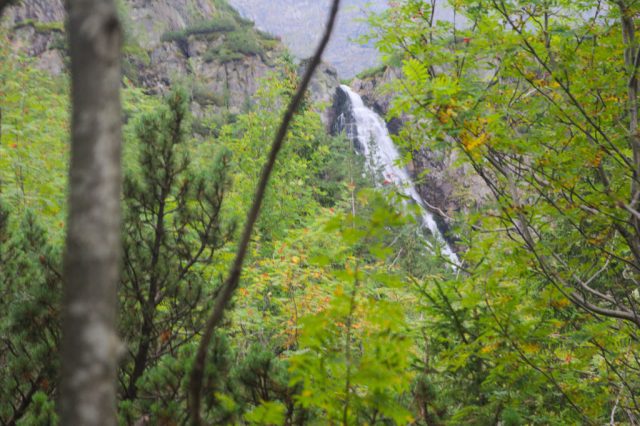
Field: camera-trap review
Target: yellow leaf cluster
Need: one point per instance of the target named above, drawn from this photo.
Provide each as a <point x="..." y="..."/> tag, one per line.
<point x="490" y="348"/>
<point x="471" y="141"/>
<point x="560" y="303"/>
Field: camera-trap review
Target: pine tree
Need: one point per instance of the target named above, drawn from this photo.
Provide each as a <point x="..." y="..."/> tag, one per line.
<point x="30" y="285"/>
<point x="173" y="231"/>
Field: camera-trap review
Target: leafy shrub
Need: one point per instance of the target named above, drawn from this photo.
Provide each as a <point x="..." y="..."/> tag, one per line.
<point x="221" y="54"/>
<point x="220" y="24"/>
<point x="372" y="72"/>
<point x="226" y="55"/>
<point x="243" y="42"/>
<point x="236" y="45"/>
<point x="205" y="96"/>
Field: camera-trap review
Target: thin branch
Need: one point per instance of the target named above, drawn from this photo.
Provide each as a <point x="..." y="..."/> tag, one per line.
<point x="231" y="283"/>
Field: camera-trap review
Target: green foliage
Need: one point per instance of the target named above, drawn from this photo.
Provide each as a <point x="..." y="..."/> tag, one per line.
<point x="30" y="287"/>
<point x="205" y="96"/>
<point x="268" y="413"/>
<point x="41" y="27"/>
<point x="218" y="24"/>
<point x="343" y="315"/>
<point x="222" y="54"/>
<point x="179" y="197"/>
<point x="236" y="45"/>
<point x="34" y="132"/>
<point x="33" y="148"/>
<point x="311" y="169"/>
<point x="173" y="230"/>
<point x="533" y="97"/>
<point x="372" y="72"/>
<point x="243" y="42"/>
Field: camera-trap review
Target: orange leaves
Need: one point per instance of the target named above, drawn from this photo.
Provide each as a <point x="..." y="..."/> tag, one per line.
<point x="597" y="159"/>
<point x="445" y="114"/>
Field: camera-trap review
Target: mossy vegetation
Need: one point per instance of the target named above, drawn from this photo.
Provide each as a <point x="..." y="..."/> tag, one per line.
<point x="236" y="45"/>
<point x="232" y="36"/>
<point x="206" y="96"/>
<point x="372" y="72"/>
<point x="41" y="27"/>
<point x="218" y="24"/>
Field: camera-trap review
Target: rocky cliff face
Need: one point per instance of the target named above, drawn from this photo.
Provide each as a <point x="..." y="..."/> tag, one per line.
<point x="37" y="29"/>
<point x="376" y="95"/>
<point x="203" y="44"/>
<point x="322" y="89"/>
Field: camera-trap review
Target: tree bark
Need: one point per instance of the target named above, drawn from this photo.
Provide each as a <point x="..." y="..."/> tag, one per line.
<point x="90" y="346"/>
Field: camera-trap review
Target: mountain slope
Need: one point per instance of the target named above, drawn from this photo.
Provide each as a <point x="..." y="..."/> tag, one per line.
<point x="202" y="44"/>
<point x="300" y="24"/>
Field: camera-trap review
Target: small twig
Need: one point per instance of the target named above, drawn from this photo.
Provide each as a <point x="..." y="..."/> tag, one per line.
<point x="231" y="283"/>
<point x="613" y="411"/>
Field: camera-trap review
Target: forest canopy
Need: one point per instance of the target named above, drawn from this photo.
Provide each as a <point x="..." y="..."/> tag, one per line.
<point x="346" y="310"/>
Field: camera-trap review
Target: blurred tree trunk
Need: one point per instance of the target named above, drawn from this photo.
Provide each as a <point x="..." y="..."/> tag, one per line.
<point x="90" y="345"/>
<point x="4" y="4"/>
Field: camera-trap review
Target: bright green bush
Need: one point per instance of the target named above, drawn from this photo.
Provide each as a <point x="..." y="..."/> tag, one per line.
<point x="243" y="42"/>
<point x="236" y="45"/>
<point x="41" y="27"/>
<point x="205" y="96"/>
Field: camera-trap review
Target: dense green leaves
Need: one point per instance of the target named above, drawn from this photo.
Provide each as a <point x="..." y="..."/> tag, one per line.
<point x="343" y="316"/>
<point x="30" y="286"/>
<point x="539" y="98"/>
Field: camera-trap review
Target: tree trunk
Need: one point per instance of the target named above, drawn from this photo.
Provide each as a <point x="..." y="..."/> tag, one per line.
<point x="3" y="5"/>
<point x="90" y="346"/>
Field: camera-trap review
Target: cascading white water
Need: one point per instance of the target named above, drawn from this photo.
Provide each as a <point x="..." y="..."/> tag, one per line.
<point x="373" y="135"/>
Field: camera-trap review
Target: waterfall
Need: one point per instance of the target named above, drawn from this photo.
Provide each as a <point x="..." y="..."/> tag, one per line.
<point x="368" y="131"/>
